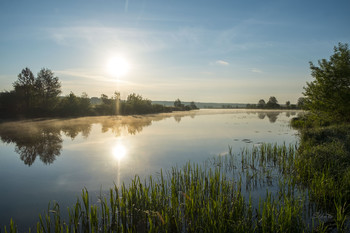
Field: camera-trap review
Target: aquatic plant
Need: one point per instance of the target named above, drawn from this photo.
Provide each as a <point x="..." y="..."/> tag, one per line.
<point x="213" y="197"/>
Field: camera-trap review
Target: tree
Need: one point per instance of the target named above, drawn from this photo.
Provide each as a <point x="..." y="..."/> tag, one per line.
<point x="107" y="107"/>
<point x="272" y="103"/>
<point x="25" y="79"/>
<point x="178" y="104"/>
<point x="84" y="104"/>
<point x="72" y="105"/>
<point x="288" y="104"/>
<point x="48" y="88"/>
<point x="193" y="105"/>
<point x="36" y="96"/>
<point x="69" y="105"/>
<point x="272" y="100"/>
<point x="8" y="104"/>
<point x="25" y="89"/>
<point x="301" y="102"/>
<point x="135" y="104"/>
<point x="261" y="103"/>
<point x="328" y="95"/>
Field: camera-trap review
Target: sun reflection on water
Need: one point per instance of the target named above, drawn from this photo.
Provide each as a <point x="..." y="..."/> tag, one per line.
<point x="119" y="151"/>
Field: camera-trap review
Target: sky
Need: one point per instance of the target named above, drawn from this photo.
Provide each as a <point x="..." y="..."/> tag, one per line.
<point x="203" y="51"/>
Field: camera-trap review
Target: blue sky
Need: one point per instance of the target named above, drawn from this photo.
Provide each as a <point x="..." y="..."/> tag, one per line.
<point x="209" y="51"/>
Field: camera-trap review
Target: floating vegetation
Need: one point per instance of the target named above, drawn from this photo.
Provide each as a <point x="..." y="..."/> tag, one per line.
<point x="216" y="196"/>
<point x="247" y="140"/>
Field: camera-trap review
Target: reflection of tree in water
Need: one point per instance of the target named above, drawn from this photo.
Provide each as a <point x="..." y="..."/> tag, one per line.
<point x="73" y="127"/>
<point x="177" y="119"/>
<point x="31" y="141"/>
<point x="261" y="115"/>
<point x="137" y="125"/>
<point x="272" y="116"/>
<point x="132" y="124"/>
<point x="44" y="139"/>
<point x="47" y="146"/>
<point x="179" y="115"/>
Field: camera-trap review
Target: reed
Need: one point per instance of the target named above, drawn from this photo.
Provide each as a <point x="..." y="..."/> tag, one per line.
<point x="211" y="197"/>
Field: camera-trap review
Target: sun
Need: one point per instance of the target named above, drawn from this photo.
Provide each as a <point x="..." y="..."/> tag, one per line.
<point x="118" y="66"/>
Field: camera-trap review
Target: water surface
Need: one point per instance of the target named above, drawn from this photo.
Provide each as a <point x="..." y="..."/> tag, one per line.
<point x="45" y="160"/>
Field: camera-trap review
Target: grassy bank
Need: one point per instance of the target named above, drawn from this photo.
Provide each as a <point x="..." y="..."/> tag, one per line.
<point x="324" y="162"/>
<point x="212" y="197"/>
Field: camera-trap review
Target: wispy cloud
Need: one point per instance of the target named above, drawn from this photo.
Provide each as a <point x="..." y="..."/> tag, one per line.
<point x="150" y="40"/>
<point x="255" y="70"/>
<point x="81" y="74"/>
<point x="76" y="73"/>
<point x="97" y="37"/>
<point x="142" y="40"/>
<point x="222" y="62"/>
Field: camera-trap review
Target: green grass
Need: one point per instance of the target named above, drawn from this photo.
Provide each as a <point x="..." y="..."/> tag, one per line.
<point x="323" y="165"/>
<point x="212" y="197"/>
<point x="323" y="162"/>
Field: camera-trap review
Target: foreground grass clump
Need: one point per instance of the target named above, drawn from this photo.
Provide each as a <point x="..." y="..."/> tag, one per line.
<point x="323" y="162"/>
<point x="216" y="197"/>
<point x="323" y="165"/>
<point x="195" y="198"/>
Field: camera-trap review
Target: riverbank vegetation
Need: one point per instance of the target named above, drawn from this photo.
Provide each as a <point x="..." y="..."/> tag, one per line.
<point x="324" y="151"/>
<point x="219" y="195"/>
<point x="39" y="97"/>
<point x="196" y="198"/>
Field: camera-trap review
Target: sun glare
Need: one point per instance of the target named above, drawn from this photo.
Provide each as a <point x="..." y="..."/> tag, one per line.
<point x="119" y="152"/>
<point x="118" y="66"/>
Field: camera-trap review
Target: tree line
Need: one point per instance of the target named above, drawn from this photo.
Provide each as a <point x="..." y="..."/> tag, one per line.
<point x="39" y="97"/>
<point x="272" y="103"/>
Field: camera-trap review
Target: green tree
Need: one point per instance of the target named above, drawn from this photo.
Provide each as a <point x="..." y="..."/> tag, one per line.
<point x="69" y="105"/>
<point x="107" y="107"/>
<point x="135" y="104"/>
<point x="47" y="88"/>
<point x="193" y="105"/>
<point x="328" y="95"/>
<point x="36" y="96"/>
<point x="272" y="103"/>
<point x="84" y="105"/>
<point x="261" y="103"/>
<point x="288" y="104"/>
<point x="25" y="89"/>
<point x="301" y="102"/>
<point x="178" y="104"/>
<point x="72" y="105"/>
<point x="9" y="104"/>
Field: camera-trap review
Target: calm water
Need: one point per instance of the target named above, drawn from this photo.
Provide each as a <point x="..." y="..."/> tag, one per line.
<point x="41" y="161"/>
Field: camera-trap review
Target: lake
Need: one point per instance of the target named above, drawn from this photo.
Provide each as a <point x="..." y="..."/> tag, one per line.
<point x="46" y="160"/>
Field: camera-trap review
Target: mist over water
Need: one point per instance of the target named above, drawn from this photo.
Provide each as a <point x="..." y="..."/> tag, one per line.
<point x="45" y="160"/>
